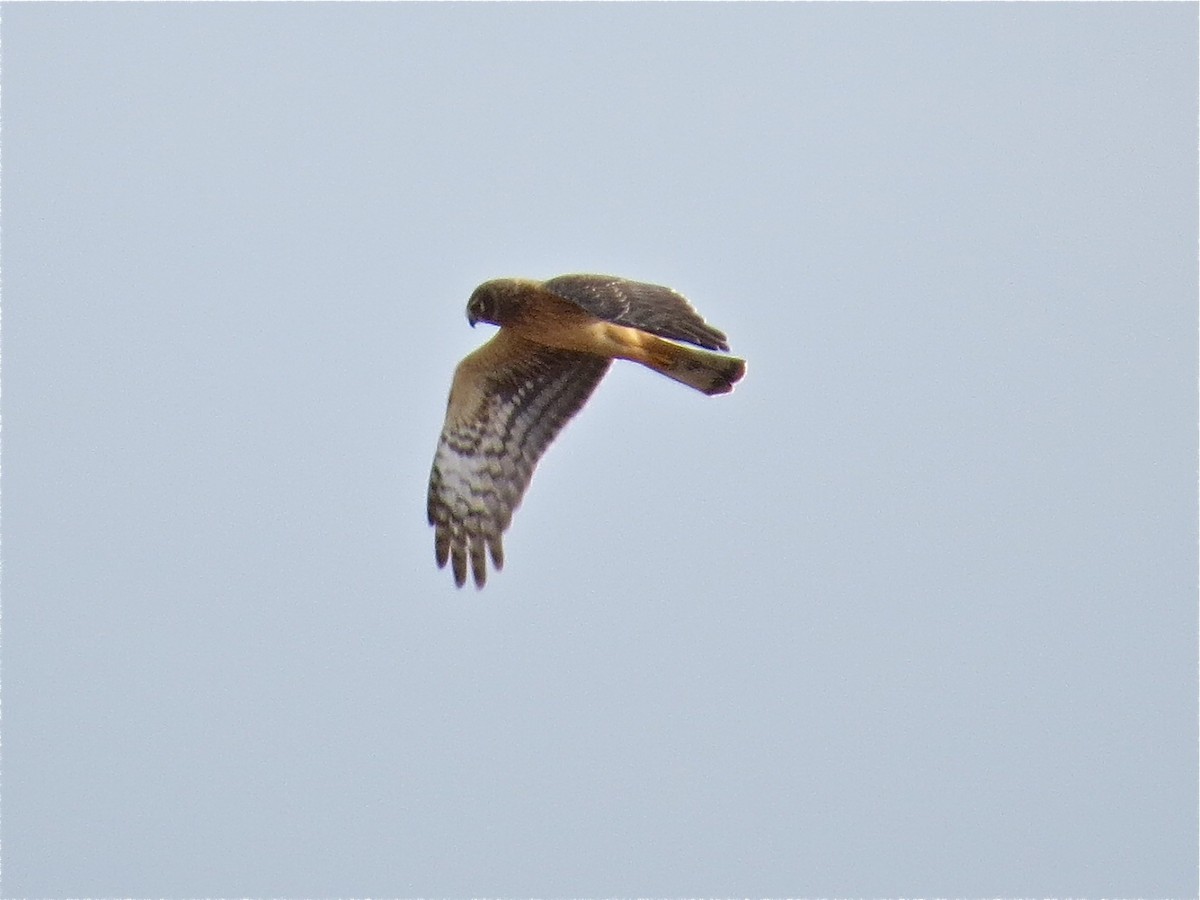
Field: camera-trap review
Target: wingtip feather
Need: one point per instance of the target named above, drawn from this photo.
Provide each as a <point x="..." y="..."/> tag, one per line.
<point x="496" y="548"/>
<point x="458" y="557"/>
<point x="478" y="561"/>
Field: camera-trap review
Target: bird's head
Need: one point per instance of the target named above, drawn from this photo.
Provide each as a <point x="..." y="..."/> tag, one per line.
<point x="484" y="305"/>
<point x="497" y="301"/>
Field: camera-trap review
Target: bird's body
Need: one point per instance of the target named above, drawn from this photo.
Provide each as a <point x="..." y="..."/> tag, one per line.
<point x="511" y="397"/>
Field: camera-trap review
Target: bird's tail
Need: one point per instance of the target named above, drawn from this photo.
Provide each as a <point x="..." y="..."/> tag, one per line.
<point x="708" y="372"/>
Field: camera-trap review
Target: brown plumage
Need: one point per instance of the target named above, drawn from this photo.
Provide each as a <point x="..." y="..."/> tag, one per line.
<point x="511" y="397"/>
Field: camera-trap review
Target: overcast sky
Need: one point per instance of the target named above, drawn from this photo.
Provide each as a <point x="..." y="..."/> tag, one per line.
<point x="912" y="611"/>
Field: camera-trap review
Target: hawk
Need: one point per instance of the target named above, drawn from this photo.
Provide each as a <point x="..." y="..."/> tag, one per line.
<point x="511" y="397"/>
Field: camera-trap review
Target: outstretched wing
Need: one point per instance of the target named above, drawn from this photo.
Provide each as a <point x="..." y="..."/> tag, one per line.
<point x="509" y="400"/>
<point x="650" y="307"/>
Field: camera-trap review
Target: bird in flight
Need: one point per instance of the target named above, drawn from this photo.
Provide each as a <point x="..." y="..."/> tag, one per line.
<point x="511" y="397"/>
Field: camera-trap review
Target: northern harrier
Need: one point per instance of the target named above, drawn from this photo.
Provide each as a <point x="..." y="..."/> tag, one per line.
<point x="512" y="396"/>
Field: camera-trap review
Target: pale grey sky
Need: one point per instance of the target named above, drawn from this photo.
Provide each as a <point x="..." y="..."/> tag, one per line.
<point x="911" y="612"/>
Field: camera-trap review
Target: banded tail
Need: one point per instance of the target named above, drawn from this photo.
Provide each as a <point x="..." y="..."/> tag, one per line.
<point x="707" y="372"/>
